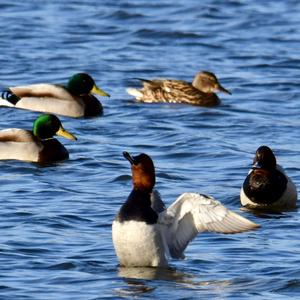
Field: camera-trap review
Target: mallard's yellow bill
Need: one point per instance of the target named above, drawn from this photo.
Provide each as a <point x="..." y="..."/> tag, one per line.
<point x="98" y="91"/>
<point x="66" y="134"/>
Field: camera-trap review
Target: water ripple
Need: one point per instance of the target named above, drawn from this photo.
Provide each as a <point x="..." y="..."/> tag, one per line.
<point x="56" y="219"/>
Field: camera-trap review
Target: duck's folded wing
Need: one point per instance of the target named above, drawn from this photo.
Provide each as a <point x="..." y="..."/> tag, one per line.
<point x="151" y="84"/>
<point x="178" y="86"/>
<point x="192" y="213"/>
<point x="167" y="85"/>
<point x="42" y="90"/>
<point x="16" y="135"/>
<point x="156" y="202"/>
<point x="179" y="89"/>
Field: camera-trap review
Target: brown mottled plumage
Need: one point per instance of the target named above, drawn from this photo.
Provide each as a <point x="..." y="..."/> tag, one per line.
<point x="199" y="92"/>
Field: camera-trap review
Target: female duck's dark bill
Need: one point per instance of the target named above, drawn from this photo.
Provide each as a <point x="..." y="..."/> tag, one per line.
<point x="222" y="89"/>
<point x="129" y="157"/>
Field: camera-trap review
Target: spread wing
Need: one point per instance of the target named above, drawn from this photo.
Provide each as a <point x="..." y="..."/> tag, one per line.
<point x="193" y="213"/>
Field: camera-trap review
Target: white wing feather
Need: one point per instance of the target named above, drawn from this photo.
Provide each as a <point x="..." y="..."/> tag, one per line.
<point x="193" y="213"/>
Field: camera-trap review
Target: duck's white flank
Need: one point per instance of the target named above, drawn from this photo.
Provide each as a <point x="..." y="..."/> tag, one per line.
<point x="138" y="244"/>
<point x="20" y="151"/>
<point x="62" y="107"/>
<point x="19" y="144"/>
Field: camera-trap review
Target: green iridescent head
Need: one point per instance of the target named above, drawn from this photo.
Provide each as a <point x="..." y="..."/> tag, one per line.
<point x="83" y="84"/>
<point x="48" y="125"/>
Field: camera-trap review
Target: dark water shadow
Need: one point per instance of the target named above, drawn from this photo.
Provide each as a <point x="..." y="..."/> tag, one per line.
<point x="138" y="280"/>
<point x="151" y="273"/>
<point x="267" y="213"/>
<point x="146" y="280"/>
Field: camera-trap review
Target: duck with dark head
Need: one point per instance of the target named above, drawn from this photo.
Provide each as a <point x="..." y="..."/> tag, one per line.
<point x="75" y="99"/>
<point x="145" y="233"/>
<point x="266" y="185"/>
<point x="138" y="204"/>
<point x="36" y="145"/>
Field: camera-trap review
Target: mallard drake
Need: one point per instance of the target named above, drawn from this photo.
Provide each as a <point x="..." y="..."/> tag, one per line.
<point x="200" y="92"/>
<point x="37" y="145"/>
<point x="73" y="100"/>
<point x="266" y="185"/>
<point x="145" y="233"/>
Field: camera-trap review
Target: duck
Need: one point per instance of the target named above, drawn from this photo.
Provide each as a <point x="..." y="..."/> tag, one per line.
<point x="200" y="92"/>
<point x="146" y="234"/>
<point x="36" y="145"/>
<point x="267" y="186"/>
<point x="73" y="100"/>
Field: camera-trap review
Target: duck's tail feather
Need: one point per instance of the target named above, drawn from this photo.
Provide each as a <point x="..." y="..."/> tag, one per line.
<point x="4" y="102"/>
<point x="143" y="80"/>
<point x="8" y="98"/>
<point x="135" y="93"/>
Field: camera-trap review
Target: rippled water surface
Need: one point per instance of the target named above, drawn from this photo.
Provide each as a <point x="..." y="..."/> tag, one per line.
<point x="55" y="240"/>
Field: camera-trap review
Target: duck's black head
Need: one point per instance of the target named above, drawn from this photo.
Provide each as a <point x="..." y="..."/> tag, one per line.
<point x="264" y="159"/>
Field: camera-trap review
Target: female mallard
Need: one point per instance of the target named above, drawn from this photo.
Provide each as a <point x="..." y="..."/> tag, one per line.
<point x="199" y="92"/>
<point x="73" y="100"/>
<point x="37" y="145"/>
<point x="267" y="186"/>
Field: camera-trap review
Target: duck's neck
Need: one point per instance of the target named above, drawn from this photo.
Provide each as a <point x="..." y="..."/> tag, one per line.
<point x="138" y="208"/>
<point x="92" y="107"/>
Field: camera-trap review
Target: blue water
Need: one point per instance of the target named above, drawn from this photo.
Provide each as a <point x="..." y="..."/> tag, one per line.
<point x="55" y="240"/>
